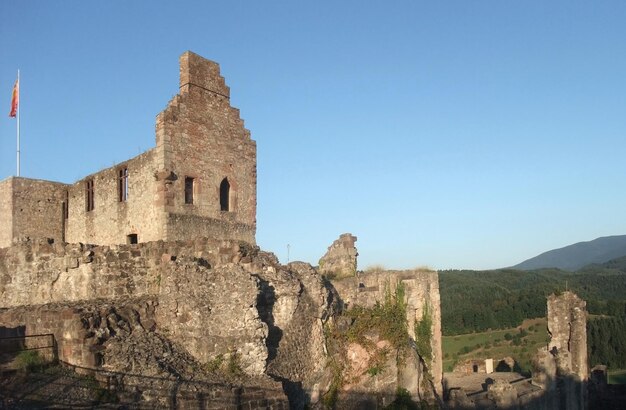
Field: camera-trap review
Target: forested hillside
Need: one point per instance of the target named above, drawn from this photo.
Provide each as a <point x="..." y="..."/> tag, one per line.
<point x="574" y="257"/>
<point x="479" y="300"/>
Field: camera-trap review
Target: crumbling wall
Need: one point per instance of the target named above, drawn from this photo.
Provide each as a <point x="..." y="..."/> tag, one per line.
<point x="567" y="325"/>
<point x="340" y="259"/>
<point x="421" y="292"/>
<point x="561" y="368"/>
<point x="214" y="297"/>
<point x="79" y="329"/>
<point x="214" y="312"/>
<point x="40" y="271"/>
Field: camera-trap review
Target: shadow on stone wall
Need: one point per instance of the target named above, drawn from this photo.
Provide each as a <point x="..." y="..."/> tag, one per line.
<point x="564" y="392"/>
<point x="71" y="385"/>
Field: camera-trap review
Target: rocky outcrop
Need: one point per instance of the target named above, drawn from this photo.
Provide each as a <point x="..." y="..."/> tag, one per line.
<point x="340" y="259"/>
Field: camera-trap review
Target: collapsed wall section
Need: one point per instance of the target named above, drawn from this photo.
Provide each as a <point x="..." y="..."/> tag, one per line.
<point x="421" y="295"/>
<point x="561" y="368"/>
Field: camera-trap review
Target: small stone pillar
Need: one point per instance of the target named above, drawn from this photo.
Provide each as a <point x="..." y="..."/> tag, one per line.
<point x="488" y="366"/>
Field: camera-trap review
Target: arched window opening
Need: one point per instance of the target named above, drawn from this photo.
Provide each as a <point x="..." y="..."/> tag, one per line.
<point x="225" y="195"/>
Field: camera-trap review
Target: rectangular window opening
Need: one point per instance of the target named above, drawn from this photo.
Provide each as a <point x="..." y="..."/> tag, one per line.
<point x="188" y="190"/>
<point x="89" y="195"/>
<point x="132" y="239"/>
<point x="122" y="185"/>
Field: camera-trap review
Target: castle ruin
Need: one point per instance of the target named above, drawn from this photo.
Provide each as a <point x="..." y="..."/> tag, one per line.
<point x="147" y="276"/>
<point x="199" y="180"/>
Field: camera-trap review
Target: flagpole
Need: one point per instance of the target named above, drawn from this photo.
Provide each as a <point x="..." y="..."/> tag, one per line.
<point x="19" y="108"/>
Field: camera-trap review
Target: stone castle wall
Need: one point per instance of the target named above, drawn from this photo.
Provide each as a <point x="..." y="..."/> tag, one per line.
<point x="200" y="136"/>
<point x="6" y="212"/>
<point x="31" y="207"/>
<point x="34" y="272"/>
<point x="112" y="220"/>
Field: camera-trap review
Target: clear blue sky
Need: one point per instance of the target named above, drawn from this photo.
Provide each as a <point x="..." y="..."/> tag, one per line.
<point x="449" y="134"/>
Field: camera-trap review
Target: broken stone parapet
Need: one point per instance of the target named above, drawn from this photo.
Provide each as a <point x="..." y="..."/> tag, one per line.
<point x="561" y="368"/>
<point x="340" y="259"/>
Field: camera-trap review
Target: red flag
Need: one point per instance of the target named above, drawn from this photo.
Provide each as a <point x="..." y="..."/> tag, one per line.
<point x="15" y="99"/>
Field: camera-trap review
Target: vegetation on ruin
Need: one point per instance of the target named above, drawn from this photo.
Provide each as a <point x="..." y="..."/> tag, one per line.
<point x="386" y="319"/>
<point x="229" y="366"/>
<point x="423" y="341"/>
<point x="424" y="334"/>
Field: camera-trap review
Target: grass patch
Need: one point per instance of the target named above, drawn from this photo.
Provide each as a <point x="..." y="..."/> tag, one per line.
<point x="617" y="376"/>
<point x="520" y="342"/>
<point x="29" y="361"/>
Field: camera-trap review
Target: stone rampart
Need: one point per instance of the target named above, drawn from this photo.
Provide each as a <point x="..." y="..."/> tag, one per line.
<point x="34" y="272"/>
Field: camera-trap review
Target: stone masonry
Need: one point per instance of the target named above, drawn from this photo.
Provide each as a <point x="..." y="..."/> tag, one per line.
<point x="421" y="292"/>
<point x="199" y="181"/>
<point x="340" y="259"/>
<point x="561" y="368"/>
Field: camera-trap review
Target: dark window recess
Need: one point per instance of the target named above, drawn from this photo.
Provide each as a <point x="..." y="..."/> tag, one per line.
<point x="188" y="190"/>
<point x="132" y="239"/>
<point x="122" y="184"/>
<point x="225" y="195"/>
<point x="89" y="195"/>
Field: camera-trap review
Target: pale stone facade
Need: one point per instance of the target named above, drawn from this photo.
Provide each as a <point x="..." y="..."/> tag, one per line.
<point x="199" y="180"/>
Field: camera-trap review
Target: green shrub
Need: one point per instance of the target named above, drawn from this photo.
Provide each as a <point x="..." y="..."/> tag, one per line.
<point x="424" y="334"/>
<point x="29" y="361"/>
<point x="215" y="364"/>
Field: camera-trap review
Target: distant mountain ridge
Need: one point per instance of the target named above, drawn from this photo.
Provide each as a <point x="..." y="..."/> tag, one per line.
<point x="578" y="255"/>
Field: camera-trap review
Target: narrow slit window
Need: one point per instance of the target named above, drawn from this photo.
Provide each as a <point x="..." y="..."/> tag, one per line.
<point x="189" y="190"/>
<point x="66" y="205"/>
<point x="225" y="195"/>
<point x="122" y="184"/>
<point x="89" y="195"/>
